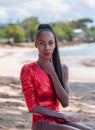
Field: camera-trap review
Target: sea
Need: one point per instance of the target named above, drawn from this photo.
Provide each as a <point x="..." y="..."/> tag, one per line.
<point x="79" y="50"/>
<point x="67" y="53"/>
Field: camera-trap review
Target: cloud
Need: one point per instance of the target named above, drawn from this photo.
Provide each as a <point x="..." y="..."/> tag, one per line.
<point x="42" y="9"/>
<point x="90" y="3"/>
<point x="50" y="10"/>
<point x="3" y="15"/>
<point x="46" y="11"/>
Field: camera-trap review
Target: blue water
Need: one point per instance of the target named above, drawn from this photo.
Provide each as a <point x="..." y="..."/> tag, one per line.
<point x="78" y="50"/>
<point x="86" y="49"/>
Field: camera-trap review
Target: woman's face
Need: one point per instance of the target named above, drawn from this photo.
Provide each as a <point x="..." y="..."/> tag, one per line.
<point x="45" y="43"/>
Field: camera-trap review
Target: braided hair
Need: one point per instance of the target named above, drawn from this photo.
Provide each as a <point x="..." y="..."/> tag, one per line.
<point x="55" y="57"/>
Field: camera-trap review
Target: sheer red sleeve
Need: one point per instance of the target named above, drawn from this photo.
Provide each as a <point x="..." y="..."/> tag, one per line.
<point x="28" y="88"/>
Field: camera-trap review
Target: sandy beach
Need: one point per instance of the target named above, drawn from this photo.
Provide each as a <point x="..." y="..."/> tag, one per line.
<point x="13" y="110"/>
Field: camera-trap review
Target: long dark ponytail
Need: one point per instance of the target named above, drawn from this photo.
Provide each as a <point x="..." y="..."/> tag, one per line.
<point x="56" y="57"/>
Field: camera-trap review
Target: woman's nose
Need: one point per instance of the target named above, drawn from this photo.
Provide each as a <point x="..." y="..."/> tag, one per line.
<point x="46" y="46"/>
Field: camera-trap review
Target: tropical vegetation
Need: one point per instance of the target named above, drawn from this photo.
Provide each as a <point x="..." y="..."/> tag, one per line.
<point x="26" y="30"/>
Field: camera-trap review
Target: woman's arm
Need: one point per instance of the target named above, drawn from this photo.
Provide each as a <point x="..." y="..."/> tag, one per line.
<point x="61" y="93"/>
<point x="42" y="111"/>
<point x="65" y="77"/>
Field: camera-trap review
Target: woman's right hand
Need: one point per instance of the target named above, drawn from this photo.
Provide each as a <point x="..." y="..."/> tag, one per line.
<point x="46" y="65"/>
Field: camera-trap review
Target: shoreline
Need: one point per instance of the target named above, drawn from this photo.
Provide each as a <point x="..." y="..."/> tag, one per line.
<point x="11" y="57"/>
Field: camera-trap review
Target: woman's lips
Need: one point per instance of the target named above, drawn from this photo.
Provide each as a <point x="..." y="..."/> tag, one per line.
<point x="47" y="53"/>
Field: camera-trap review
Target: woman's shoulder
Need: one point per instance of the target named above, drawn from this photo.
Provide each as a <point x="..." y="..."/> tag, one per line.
<point x="28" y="66"/>
<point x="64" y="69"/>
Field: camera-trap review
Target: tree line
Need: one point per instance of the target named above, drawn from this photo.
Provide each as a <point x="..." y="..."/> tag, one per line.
<point x="26" y="30"/>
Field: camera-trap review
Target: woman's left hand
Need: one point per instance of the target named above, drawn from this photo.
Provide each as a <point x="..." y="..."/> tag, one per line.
<point x="71" y="119"/>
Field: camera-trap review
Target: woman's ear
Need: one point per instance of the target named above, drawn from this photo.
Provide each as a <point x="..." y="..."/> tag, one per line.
<point x="36" y="43"/>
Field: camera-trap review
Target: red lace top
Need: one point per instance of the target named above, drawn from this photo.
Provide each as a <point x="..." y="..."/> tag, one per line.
<point x="38" y="90"/>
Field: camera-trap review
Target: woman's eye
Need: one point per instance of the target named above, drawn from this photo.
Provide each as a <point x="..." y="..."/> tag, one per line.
<point x="42" y="43"/>
<point x="51" y="43"/>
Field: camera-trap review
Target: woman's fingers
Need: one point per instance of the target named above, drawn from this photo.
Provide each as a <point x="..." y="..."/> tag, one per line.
<point x="72" y="119"/>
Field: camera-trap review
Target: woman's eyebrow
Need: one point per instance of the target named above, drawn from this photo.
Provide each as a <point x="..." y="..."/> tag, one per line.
<point x="43" y="40"/>
<point x="51" y="40"/>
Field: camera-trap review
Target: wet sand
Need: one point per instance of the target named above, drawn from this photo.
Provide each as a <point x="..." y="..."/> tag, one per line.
<point x="13" y="110"/>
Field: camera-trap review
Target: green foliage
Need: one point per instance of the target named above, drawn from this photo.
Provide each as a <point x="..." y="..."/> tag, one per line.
<point x="81" y="23"/>
<point x="30" y="27"/>
<point x="59" y="33"/>
<point x="91" y="32"/>
<point x="63" y="31"/>
<point x="2" y="34"/>
<point x="27" y="29"/>
<point x="14" y="31"/>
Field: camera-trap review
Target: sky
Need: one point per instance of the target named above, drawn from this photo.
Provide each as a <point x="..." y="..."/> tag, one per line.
<point x="12" y="11"/>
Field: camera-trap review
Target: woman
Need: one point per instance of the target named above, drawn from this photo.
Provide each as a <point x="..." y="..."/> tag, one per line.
<point x="45" y="84"/>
